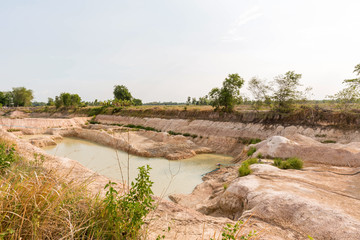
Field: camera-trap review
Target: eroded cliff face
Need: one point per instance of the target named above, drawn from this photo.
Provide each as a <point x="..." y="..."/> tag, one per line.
<point x="322" y="200"/>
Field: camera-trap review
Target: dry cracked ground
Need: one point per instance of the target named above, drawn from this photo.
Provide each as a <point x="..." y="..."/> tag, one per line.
<point x="321" y="201"/>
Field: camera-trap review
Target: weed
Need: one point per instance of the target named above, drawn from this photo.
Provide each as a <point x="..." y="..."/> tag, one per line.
<point x="251" y="151"/>
<point x="124" y="215"/>
<point x="244" y="169"/>
<point x="290" y="163"/>
<point x="259" y="155"/>
<point x="186" y="134"/>
<point x="320" y="135"/>
<point x="225" y="186"/>
<point x="7" y="156"/>
<point x="13" y="130"/>
<point x="194" y="136"/>
<point x="328" y="141"/>
<point x="173" y="133"/>
<point x="247" y="141"/>
<point x="231" y="232"/>
<point x="142" y="127"/>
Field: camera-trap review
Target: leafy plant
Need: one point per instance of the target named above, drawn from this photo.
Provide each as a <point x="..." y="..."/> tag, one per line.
<point x="290" y="163"/>
<point x="7" y="156"/>
<point x="251" y="151"/>
<point x="231" y="232"/>
<point x="244" y="169"/>
<point x="124" y="215"/>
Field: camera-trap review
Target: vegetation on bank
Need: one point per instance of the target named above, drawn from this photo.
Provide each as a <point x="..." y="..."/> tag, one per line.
<point x="289" y="163"/>
<point x="39" y="204"/>
<point x="244" y="168"/>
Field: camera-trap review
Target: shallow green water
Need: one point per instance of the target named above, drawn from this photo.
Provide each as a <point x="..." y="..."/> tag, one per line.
<point x="169" y="176"/>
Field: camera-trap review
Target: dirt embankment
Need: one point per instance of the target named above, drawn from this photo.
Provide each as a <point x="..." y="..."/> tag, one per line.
<point x="226" y="137"/>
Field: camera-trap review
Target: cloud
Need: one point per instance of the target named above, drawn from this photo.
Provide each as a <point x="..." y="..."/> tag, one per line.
<point x="234" y="33"/>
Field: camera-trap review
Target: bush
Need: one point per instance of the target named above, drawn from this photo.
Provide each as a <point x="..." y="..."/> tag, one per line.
<point x="328" y="141"/>
<point x="194" y="136"/>
<point x="186" y="134"/>
<point x="7" y="156"/>
<point x="290" y="163"/>
<point x="244" y="169"/>
<point x="124" y="215"/>
<point x="173" y="133"/>
<point x="251" y="151"/>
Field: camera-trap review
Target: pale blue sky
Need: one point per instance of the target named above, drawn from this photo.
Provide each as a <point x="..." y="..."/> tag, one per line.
<point x="166" y="50"/>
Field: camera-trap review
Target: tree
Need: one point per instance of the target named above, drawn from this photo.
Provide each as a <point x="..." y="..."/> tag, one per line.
<point x="122" y="93"/>
<point x="286" y="92"/>
<point x="260" y="90"/>
<point x="50" y="102"/>
<point x="67" y="100"/>
<point x="137" y="102"/>
<point x="22" y="96"/>
<point x="227" y="96"/>
<point x="349" y="94"/>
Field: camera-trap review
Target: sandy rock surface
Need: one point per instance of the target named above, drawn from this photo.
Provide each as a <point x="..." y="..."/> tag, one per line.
<point x="302" y="202"/>
<point x="310" y="150"/>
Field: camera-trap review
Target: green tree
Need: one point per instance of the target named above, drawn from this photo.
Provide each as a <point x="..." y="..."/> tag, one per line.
<point x="50" y="102"/>
<point x="67" y="100"/>
<point x="286" y="92"/>
<point x="2" y="99"/>
<point x="122" y="93"/>
<point x="226" y="97"/>
<point x="137" y="102"/>
<point x="22" y="96"/>
<point x="351" y="93"/>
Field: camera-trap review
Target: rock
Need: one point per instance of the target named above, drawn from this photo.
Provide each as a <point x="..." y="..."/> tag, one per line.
<point x="310" y="150"/>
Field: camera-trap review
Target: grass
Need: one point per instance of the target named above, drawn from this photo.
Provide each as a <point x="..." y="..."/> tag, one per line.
<point x="36" y="203"/>
<point x="244" y="169"/>
<point x="13" y="130"/>
<point x="142" y="127"/>
<point x="251" y="151"/>
<point x="328" y="141"/>
<point x="290" y="163"/>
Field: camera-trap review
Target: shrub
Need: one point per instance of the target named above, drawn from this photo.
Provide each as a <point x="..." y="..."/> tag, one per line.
<point x="328" y="141"/>
<point x="290" y="163"/>
<point x="186" y="134"/>
<point x="124" y="215"/>
<point x="251" y="151"/>
<point x="194" y="136"/>
<point x="259" y="155"/>
<point x="7" y="156"/>
<point x="173" y="133"/>
<point x="244" y="169"/>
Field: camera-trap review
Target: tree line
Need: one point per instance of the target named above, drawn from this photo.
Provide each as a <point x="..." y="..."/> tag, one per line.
<point x="279" y="95"/>
<point x="22" y="97"/>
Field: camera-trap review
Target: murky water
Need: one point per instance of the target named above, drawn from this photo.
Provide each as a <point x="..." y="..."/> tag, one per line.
<point x="180" y="176"/>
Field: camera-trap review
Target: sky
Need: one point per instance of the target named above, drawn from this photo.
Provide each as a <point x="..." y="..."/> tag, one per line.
<point x="167" y="50"/>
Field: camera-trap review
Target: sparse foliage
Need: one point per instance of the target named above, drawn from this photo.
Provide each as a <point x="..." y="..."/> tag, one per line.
<point x="261" y="92"/>
<point x="287" y="92"/>
<point x="350" y="94"/>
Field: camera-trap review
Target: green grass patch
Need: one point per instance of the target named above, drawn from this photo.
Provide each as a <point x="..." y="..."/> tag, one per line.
<point x="290" y="163"/>
<point x="328" y="141"/>
<point x="244" y="169"/>
<point x="142" y="127"/>
<point x="251" y="151"/>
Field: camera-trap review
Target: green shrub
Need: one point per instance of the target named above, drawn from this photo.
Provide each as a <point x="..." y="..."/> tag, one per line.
<point x="290" y="163"/>
<point x="173" y="133"/>
<point x="247" y="141"/>
<point x="328" y="141"/>
<point x="7" y="156"/>
<point x="251" y="151"/>
<point x="194" y="136"/>
<point x="244" y="169"/>
<point x="186" y="134"/>
<point x="259" y="155"/>
<point x="124" y="214"/>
